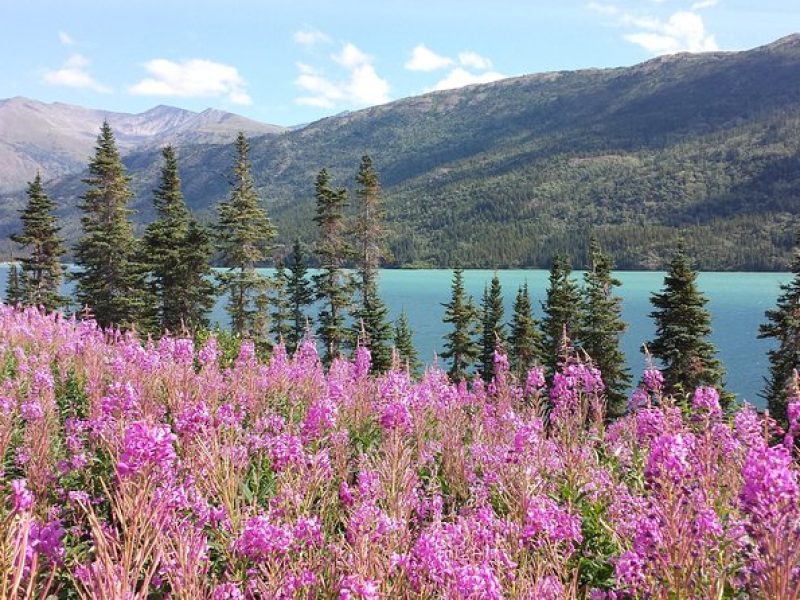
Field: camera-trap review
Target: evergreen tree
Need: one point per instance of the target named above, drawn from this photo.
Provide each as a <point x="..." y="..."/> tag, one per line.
<point x="178" y="253"/>
<point x="333" y="286"/>
<point x="281" y="316"/>
<point x="682" y="326"/>
<point x="110" y="279"/>
<point x="461" y="346"/>
<point x="371" y="316"/>
<point x="300" y="294"/>
<point x="561" y="310"/>
<point x="493" y="330"/>
<point x="783" y="325"/>
<point x="14" y="296"/>
<point x="602" y="328"/>
<point x="525" y="339"/>
<point x="404" y="344"/>
<point x="42" y="270"/>
<point x="244" y="235"/>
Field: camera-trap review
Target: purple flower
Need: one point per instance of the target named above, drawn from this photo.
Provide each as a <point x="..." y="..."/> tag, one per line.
<point x="671" y="458"/>
<point x="706" y="400"/>
<point x="261" y="539"/>
<point x="534" y="382"/>
<point x="653" y="380"/>
<point x="228" y="591"/>
<point x="547" y="522"/>
<point x="629" y="569"/>
<point x="355" y="587"/>
<point x="31" y="410"/>
<point x="21" y="495"/>
<point x="146" y="447"/>
<point x="770" y="488"/>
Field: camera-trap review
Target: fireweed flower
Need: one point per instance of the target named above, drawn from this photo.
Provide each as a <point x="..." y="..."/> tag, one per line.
<point x="146" y="447"/>
<point x="671" y="458"/>
<point x="653" y="380"/>
<point x="770" y="489"/>
<point x="547" y="522"/>
<point x="22" y="497"/>
<point x="705" y="401"/>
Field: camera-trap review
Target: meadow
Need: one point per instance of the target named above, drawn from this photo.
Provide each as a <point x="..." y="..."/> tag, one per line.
<point x="188" y="469"/>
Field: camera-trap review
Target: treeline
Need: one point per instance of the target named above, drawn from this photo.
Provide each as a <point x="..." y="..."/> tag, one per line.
<point x="163" y="281"/>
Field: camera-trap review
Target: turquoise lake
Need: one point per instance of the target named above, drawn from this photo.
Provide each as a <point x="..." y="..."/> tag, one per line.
<point x="737" y="302"/>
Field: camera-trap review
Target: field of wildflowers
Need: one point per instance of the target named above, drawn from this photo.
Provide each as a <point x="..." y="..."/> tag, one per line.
<point x="161" y="470"/>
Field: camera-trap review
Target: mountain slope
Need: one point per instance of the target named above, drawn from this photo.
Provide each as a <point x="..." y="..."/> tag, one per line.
<point x="703" y="146"/>
<point x="57" y="138"/>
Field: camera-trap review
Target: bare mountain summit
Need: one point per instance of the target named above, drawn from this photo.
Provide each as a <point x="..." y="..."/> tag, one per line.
<point x="58" y="139"/>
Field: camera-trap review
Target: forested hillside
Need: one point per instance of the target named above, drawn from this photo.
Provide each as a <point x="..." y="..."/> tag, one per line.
<point x="506" y="174"/>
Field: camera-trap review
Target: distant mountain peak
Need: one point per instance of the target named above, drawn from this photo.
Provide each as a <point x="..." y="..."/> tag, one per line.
<point x="57" y="138"/>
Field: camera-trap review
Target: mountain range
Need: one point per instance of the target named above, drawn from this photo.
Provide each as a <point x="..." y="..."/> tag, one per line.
<point x="699" y="147"/>
<point x="58" y="139"/>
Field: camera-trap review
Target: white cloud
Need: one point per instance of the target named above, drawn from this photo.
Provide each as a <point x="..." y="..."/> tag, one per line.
<point x="683" y="31"/>
<point x="459" y="77"/>
<point x="192" y="78"/>
<point x="425" y="59"/>
<point x="362" y="86"/>
<point x="65" y="38"/>
<point x="310" y="37"/>
<point x="74" y="74"/>
<point x="468" y="58"/>
<point x="351" y="57"/>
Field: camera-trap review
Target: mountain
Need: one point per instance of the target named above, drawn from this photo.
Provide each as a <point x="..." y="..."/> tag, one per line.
<point x="699" y="146"/>
<point x="58" y="139"/>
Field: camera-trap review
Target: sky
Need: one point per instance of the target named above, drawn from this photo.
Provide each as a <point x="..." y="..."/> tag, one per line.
<point x="292" y="62"/>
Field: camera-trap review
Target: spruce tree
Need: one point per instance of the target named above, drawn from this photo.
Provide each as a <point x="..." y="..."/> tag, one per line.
<point x="404" y="344"/>
<point x="525" y="340"/>
<point x="244" y="237"/>
<point x="561" y="310"/>
<point x="783" y="326"/>
<point x="371" y="316"/>
<point x="178" y="253"/>
<point x="300" y="295"/>
<point x="281" y="316"/>
<point x="461" y="346"/>
<point x="602" y="328"/>
<point x="42" y="269"/>
<point x="333" y="286"/>
<point x="682" y="327"/>
<point x="493" y="330"/>
<point x="110" y="278"/>
<point x="14" y="296"/>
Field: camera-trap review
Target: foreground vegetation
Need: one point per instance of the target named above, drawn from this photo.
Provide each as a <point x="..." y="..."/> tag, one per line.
<point x="136" y="470"/>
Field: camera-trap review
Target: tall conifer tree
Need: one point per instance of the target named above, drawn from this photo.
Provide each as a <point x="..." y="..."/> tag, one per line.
<point x="525" y="339"/>
<point x="461" y="344"/>
<point x="371" y="316"/>
<point x="244" y="236"/>
<point x="110" y="278"/>
<point x="404" y="344"/>
<point x="178" y="252"/>
<point x="42" y="269"/>
<point x="333" y="285"/>
<point x="682" y="327"/>
<point x="602" y="327"/>
<point x="301" y="295"/>
<point x="561" y="310"/>
<point x="14" y="285"/>
<point x="493" y="332"/>
<point x="783" y="326"/>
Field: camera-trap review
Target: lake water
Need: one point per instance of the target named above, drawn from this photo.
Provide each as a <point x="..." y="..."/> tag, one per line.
<point x="737" y="302"/>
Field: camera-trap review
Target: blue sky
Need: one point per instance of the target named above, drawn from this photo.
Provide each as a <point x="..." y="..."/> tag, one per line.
<point x="289" y="62"/>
